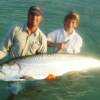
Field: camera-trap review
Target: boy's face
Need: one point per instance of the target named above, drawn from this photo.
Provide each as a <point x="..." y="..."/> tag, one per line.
<point x="70" y="24"/>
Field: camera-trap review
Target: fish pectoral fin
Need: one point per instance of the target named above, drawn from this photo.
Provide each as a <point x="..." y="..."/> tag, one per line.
<point x="26" y="77"/>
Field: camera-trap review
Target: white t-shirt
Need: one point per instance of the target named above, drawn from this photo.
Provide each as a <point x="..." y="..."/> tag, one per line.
<point x="73" y="42"/>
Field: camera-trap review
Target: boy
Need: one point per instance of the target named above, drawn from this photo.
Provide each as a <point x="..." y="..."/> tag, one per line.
<point x="66" y="40"/>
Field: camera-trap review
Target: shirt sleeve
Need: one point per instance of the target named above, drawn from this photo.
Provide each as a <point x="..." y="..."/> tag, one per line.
<point x="6" y="44"/>
<point x="78" y="45"/>
<point x="43" y="44"/>
<point x="75" y="46"/>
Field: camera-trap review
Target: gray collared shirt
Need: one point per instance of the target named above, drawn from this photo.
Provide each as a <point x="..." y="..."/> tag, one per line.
<point x="20" y="43"/>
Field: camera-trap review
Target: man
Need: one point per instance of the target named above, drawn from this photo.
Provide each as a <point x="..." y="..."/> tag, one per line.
<point x="66" y="40"/>
<point x="25" y="39"/>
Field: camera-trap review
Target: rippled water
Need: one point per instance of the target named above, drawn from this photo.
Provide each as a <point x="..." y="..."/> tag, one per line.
<point x="73" y="86"/>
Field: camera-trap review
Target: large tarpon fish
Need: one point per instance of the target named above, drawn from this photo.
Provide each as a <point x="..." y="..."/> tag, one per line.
<point x="40" y="66"/>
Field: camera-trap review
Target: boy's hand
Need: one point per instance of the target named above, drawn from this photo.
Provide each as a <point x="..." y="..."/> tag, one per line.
<point x="61" y="45"/>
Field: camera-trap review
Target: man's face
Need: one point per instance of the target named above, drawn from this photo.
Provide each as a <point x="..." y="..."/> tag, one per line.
<point x="70" y="24"/>
<point x="34" y="19"/>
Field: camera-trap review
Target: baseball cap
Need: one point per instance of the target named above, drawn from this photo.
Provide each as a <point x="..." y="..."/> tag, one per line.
<point x="35" y="10"/>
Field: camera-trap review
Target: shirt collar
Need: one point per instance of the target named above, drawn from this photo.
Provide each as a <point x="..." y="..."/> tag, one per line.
<point x="67" y="36"/>
<point x="66" y="33"/>
<point x="25" y="28"/>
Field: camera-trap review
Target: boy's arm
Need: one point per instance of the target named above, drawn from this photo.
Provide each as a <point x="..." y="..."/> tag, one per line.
<point x="60" y="45"/>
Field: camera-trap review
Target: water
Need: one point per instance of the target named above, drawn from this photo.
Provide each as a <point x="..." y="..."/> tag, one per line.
<point x="83" y="86"/>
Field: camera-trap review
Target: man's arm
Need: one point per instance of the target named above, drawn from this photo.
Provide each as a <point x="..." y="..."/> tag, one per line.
<point x="43" y="44"/>
<point x="6" y="44"/>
